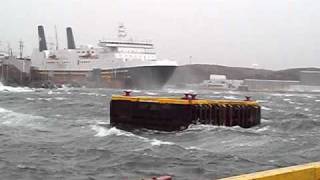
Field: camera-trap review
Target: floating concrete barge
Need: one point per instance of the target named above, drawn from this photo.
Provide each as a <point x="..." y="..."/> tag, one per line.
<point x="172" y="114"/>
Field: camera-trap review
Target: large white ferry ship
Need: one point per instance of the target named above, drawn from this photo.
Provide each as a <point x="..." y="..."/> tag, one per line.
<point x="120" y="63"/>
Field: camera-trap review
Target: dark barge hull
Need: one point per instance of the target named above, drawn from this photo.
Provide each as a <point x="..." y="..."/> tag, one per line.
<point x="174" y="114"/>
<point x="144" y="77"/>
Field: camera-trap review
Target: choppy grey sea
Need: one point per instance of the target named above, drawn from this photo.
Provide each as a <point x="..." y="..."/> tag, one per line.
<point x="65" y="134"/>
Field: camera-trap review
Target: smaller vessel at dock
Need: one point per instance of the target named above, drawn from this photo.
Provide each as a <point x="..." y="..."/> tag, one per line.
<point x="3" y="55"/>
<point x="171" y="114"/>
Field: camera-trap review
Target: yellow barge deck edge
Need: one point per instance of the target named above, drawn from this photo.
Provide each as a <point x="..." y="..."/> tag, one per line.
<point x="172" y="100"/>
<point x="309" y="171"/>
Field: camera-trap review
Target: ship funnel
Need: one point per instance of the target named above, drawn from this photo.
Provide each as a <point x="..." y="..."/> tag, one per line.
<point x="42" y="39"/>
<point x="71" y="43"/>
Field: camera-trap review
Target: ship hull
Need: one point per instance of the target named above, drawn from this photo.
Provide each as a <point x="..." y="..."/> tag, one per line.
<point x="144" y="77"/>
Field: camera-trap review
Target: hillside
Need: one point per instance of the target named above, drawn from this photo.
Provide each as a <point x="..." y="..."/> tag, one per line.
<point x="196" y="73"/>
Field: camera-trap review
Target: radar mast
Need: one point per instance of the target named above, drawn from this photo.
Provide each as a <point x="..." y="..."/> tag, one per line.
<point x="122" y="31"/>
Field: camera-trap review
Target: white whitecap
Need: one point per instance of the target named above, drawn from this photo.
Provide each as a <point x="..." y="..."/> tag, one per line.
<point x="286" y="95"/>
<point x="11" y="118"/>
<point x="156" y="142"/>
<point x="179" y="91"/>
<point x="102" y="123"/>
<point x="60" y="98"/>
<point x="2" y="110"/>
<point x="266" y="128"/>
<point x="265" y="108"/>
<point x="4" y="88"/>
<point x="229" y="97"/>
<point x="193" y="148"/>
<point x="45" y="99"/>
<point x="310" y="97"/>
<point x="261" y="101"/>
<point x="202" y="127"/>
<point x="102" y="131"/>
<point x="216" y="92"/>
<point x="136" y="91"/>
<point x="265" y="120"/>
<point x="233" y="92"/>
<point x="151" y="93"/>
<point x="90" y="94"/>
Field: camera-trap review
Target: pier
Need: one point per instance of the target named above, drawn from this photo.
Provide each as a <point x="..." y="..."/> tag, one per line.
<point x="309" y="171"/>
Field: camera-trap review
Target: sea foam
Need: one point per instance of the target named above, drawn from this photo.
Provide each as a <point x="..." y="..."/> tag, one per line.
<point x="102" y="132"/>
<point x="4" y="88"/>
<point x="11" y="118"/>
<point x="265" y="108"/>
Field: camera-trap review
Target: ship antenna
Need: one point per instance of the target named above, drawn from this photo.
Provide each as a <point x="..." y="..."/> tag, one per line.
<point x="56" y="35"/>
<point x="10" y="50"/>
<point x="21" y="48"/>
<point x="121" y="31"/>
<point x="190" y="59"/>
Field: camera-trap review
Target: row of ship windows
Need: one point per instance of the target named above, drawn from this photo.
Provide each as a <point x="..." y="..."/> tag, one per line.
<point x="131" y="50"/>
<point x="92" y="52"/>
<point x="84" y="62"/>
<point x="58" y="62"/>
<point x="135" y="56"/>
<point x="65" y="62"/>
<point x="127" y="51"/>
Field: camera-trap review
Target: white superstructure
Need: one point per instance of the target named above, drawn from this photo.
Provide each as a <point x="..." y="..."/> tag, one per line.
<point x="112" y="63"/>
<point x="109" y="54"/>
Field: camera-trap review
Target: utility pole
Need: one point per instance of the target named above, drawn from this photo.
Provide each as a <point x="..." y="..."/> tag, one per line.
<point x="190" y="59"/>
<point x="1" y="65"/>
<point x="21" y="48"/>
<point x="9" y="49"/>
<point x="7" y="63"/>
<point x="56" y="36"/>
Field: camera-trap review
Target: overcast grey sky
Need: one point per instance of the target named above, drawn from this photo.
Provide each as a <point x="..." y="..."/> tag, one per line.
<point x="274" y="34"/>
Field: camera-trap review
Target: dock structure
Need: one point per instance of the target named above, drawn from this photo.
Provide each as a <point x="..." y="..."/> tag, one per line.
<point x="172" y="114"/>
<point x="309" y="171"/>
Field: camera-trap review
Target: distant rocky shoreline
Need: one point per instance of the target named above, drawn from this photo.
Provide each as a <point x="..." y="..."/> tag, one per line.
<point x="196" y="73"/>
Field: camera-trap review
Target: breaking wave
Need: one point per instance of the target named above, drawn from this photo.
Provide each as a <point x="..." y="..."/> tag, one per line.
<point x="265" y="108"/>
<point x="151" y="93"/>
<point x="11" y="118"/>
<point x="102" y="132"/>
<point x="4" y="88"/>
<point x="230" y="97"/>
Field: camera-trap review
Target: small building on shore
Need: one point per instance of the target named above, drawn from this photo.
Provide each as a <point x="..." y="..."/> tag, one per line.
<point x="220" y="82"/>
<point x="269" y="85"/>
